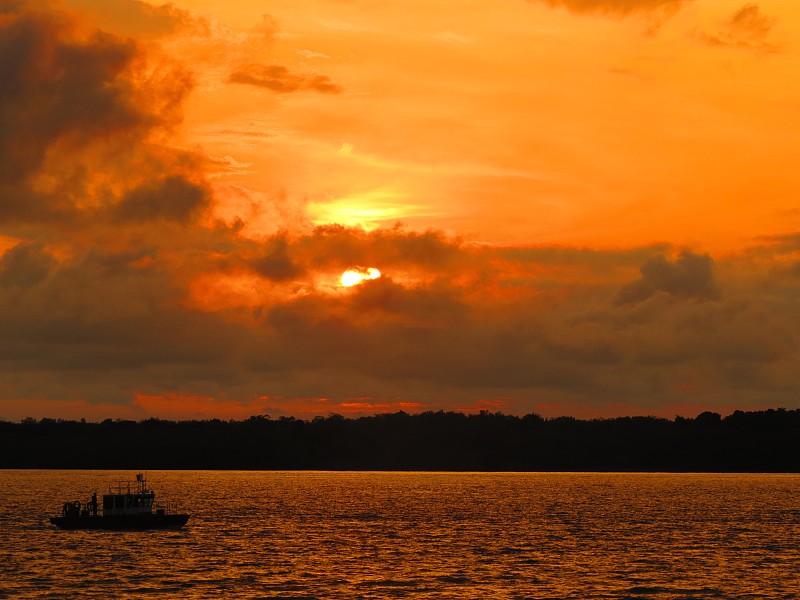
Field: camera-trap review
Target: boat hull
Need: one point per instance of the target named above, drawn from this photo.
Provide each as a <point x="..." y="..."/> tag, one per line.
<point x="122" y="522"/>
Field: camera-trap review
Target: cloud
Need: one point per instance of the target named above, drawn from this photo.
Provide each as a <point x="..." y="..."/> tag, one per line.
<point x="789" y="242"/>
<point x="281" y="80"/>
<point x="617" y="7"/>
<point x="273" y="261"/>
<point x="310" y="54"/>
<point x="342" y="247"/>
<point x="172" y="198"/>
<point x="747" y="28"/>
<point x="25" y="265"/>
<point x="653" y="12"/>
<point x="56" y="88"/>
<point x="76" y="109"/>
<point x="124" y="292"/>
<point x="137" y="18"/>
<point x="689" y="276"/>
<point x="449" y="324"/>
<point x="95" y="204"/>
<point x="429" y="305"/>
<point x="12" y="6"/>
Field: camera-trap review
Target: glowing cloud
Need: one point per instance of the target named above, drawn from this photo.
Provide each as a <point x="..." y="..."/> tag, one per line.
<point x="368" y="210"/>
<point x="358" y="275"/>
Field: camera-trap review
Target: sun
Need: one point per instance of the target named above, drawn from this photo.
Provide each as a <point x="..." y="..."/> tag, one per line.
<point x="358" y="275"/>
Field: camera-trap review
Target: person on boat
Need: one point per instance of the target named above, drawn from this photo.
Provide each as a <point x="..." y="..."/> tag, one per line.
<point x="93" y="503"/>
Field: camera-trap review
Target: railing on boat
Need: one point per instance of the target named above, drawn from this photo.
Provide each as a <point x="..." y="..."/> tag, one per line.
<point x="138" y="500"/>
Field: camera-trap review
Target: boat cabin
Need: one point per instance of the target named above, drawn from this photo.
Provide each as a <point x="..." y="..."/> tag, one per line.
<point x="129" y="506"/>
<point x="127" y="501"/>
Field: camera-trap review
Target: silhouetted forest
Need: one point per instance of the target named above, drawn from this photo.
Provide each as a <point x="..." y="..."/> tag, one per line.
<point x="760" y="441"/>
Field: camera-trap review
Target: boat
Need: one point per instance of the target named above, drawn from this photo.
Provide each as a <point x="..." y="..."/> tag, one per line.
<point x="126" y="508"/>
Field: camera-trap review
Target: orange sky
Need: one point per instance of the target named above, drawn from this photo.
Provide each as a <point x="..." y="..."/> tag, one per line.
<point x="582" y="207"/>
<point x="513" y="122"/>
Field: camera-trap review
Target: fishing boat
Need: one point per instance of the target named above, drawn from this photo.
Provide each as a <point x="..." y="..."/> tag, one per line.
<point x="124" y="508"/>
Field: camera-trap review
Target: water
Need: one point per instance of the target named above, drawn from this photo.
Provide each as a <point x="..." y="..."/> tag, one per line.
<point x="420" y="535"/>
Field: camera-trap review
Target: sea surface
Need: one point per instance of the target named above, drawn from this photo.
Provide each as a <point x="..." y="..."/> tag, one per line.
<point x="413" y="535"/>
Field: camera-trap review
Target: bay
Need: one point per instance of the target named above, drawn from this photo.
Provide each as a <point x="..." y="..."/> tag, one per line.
<point x="413" y="535"/>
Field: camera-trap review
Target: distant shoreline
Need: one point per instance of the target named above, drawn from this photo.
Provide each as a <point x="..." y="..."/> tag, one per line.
<point x="743" y="442"/>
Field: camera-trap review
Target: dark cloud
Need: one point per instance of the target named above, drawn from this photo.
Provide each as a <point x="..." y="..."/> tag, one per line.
<point x="172" y="198"/>
<point x="458" y="332"/>
<point x="123" y="321"/>
<point x="436" y="306"/>
<point x="617" y="7"/>
<point x="273" y="261"/>
<point x="573" y="255"/>
<point x="343" y="247"/>
<point x="279" y="79"/>
<point x="12" y="6"/>
<point x="25" y="265"/>
<point x="108" y="313"/>
<point x="747" y="28"/>
<point x="689" y="276"/>
<point x="74" y="111"/>
<point x="55" y="88"/>
<point x="789" y="242"/>
<point x="97" y="212"/>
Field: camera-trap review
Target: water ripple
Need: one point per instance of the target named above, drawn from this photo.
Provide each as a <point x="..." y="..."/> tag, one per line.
<point x="421" y="535"/>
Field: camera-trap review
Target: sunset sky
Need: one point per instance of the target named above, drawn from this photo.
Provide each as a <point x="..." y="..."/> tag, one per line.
<point x="576" y="207"/>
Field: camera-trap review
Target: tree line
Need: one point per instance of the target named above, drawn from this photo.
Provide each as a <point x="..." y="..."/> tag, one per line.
<point x="753" y="441"/>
